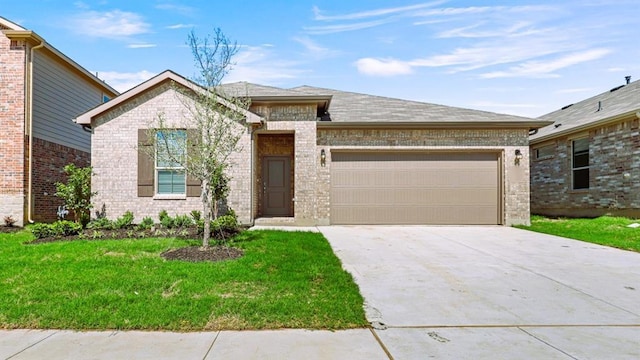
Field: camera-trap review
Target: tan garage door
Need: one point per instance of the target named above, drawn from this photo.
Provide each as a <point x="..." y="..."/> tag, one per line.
<point x="415" y="188"/>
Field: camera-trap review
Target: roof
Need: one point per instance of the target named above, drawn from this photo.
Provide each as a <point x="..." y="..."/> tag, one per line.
<point x="350" y="107"/>
<point x="361" y="109"/>
<point x="619" y="102"/>
<point x="16" y="32"/>
<point x="164" y="77"/>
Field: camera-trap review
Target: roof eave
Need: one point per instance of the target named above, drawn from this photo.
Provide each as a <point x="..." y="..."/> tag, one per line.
<point x="585" y="127"/>
<point x="435" y="124"/>
<point x="35" y="39"/>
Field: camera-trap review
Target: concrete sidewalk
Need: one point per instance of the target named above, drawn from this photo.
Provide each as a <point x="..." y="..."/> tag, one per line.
<point x="276" y="344"/>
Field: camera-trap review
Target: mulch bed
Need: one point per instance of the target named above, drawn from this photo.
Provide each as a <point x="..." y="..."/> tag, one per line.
<point x="190" y="253"/>
<point x="9" y="229"/>
<point x="197" y="253"/>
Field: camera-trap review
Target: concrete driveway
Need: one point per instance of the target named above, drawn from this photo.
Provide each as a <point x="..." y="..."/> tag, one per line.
<point x="493" y="292"/>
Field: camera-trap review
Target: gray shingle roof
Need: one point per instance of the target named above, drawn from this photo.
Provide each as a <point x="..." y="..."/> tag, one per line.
<point x="243" y="88"/>
<point x="584" y="113"/>
<point x="355" y="107"/>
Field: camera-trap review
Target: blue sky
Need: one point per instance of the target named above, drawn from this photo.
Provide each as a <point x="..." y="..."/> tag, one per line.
<point x="518" y="57"/>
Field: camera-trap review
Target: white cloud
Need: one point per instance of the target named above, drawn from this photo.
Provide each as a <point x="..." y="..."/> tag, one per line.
<point x="540" y="69"/>
<point x="259" y="64"/>
<point x="180" y="26"/>
<point x="123" y="81"/>
<point x="141" y="46"/>
<point x="382" y="67"/>
<point x="373" y="13"/>
<point x="330" y="29"/>
<point x="177" y="8"/>
<point x="114" y="24"/>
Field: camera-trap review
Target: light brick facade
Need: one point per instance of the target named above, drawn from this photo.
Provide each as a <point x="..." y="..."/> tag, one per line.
<point x="288" y="129"/>
<point x="614" y="174"/>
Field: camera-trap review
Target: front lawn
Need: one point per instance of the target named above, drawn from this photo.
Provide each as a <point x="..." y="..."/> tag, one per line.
<point x="605" y="230"/>
<point x="284" y="280"/>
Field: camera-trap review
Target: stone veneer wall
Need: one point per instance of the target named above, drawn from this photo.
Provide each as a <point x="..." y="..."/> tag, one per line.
<point x="12" y="130"/>
<point x="614" y="151"/>
<point x="114" y="158"/>
<point x="515" y="186"/>
<point x="49" y="160"/>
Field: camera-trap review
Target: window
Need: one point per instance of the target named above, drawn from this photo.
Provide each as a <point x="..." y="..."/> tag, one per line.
<point x="544" y="152"/>
<point x="171" y="146"/>
<point x="580" y="163"/>
<point x="105" y="98"/>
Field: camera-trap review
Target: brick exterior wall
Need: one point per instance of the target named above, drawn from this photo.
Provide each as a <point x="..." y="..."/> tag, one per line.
<point x="290" y="130"/>
<point x="515" y="180"/>
<point x="49" y="159"/>
<point x="114" y="158"/>
<point x="614" y="175"/>
<point x="12" y="133"/>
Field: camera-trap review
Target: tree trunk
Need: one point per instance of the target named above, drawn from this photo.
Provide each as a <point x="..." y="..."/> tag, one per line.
<point x="206" y="214"/>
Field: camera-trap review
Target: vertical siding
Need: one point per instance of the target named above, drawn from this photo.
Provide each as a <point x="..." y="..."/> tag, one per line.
<point x="59" y="95"/>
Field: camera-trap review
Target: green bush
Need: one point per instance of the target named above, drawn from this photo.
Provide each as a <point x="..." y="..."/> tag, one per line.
<point x="226" y="223"/>
<point x="57" y="229"/>
<point x="181" y="221"/>
<point x="41" y="230"/>
<point x="196" y="215"/>
<point x="124" y="221"/>
<point x="146" y="223"/>
<point x="66" y="228"/>
<point x="101" y="224"/>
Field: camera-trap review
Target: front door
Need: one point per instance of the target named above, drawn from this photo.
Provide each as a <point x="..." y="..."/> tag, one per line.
<point x="276" y="182"/>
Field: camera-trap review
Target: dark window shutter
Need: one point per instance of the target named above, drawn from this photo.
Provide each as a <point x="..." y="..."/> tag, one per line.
<point x="146" y="168"/>
<point x="193" y="185"/>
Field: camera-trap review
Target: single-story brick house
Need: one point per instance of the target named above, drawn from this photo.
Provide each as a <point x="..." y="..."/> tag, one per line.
<point x="41" y="91"/>
<point x="587" y="162"/>
<point x="319" y="156"/>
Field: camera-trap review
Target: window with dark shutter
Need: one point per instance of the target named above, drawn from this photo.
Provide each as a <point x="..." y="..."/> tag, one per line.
<point x="193" y="185"/>
<point x="146" y="164"/>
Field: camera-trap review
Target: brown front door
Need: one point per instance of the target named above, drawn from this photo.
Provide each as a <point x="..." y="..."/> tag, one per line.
<point x="276" y="182"/>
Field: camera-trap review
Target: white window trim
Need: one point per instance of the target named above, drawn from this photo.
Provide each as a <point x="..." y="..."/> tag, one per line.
<point x="176" y="196"/>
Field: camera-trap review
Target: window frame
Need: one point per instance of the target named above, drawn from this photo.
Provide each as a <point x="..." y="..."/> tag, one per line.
<point x="536" y="151"/>
<point x="574" y="169"/>
<point x="173" y="168"/>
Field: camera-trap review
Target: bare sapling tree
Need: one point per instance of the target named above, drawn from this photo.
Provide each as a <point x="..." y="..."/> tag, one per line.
<point x="214" y="125"/>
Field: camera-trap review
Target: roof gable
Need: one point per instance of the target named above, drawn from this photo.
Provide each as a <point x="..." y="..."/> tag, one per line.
<point x="604" y="107"/>
<point x="164" y="77"/>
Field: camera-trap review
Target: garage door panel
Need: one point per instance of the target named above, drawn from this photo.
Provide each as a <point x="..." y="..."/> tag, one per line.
<point x="414" y="188"/>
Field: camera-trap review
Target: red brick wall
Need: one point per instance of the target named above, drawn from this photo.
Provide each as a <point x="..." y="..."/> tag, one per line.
<point x="49" y="160"/>
<point x="12" y="83"/>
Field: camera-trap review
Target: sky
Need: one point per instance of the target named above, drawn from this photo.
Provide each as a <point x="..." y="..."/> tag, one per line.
<point x="521" y="57"/>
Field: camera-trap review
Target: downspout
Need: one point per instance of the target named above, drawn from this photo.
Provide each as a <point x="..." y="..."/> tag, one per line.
<point x="29" y="98"/>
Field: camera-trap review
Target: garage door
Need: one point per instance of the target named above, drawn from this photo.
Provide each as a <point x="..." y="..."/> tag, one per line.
<point x="415" y="188"/>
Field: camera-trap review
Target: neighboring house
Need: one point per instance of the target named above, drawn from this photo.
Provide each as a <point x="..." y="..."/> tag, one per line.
<point x="41" y="90"/>
<point x="319" y="156"/>
<point x="587" y="163"/>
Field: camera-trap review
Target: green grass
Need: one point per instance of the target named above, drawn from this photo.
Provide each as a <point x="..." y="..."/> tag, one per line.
<point x="605" y="230"/>
<point x="284" y="280"/>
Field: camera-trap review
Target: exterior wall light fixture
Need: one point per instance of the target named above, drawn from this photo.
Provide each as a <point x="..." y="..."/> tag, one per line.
<point x="518" y="157"/>
<point x="323" y="158"/>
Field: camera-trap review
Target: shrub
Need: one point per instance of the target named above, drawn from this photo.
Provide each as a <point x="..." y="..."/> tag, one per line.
<point x="196" y="215"/>
<point x="101" y="224"/>
<point x="9" y="221"/>
<point x="146" y="224"/>
<point x="181" y="221"/>
<point x="41" y="230"/>
<point x="167" y="222"/>
<point x="124" y="221"/>
<point x="162" y="214"/>
<point x="57" y="229"/>
<point x="65" y="228"/>
<point x="225" y="223"/>
<point x="76" y="193"/>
